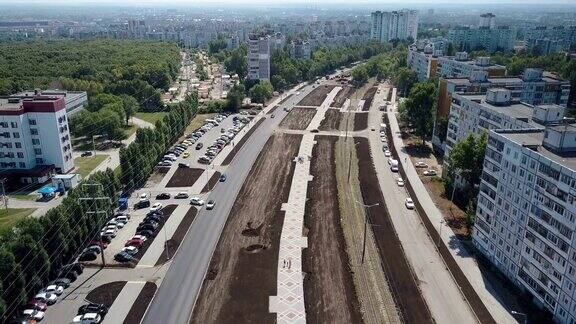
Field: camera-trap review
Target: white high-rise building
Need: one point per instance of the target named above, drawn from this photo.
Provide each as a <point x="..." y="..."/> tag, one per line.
<point x="259" y="57"/>
<point x="390" y="25"/>
<point x="487" y="20"/>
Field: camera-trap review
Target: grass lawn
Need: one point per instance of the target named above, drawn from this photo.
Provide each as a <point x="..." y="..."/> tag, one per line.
<point x="130" y="129"/>
<point x="86" y="164"/>
<point x="197" y="122"/>
<point x="151" y="117"/>
<point x="9" y="217"/>
<point x="24" y="197"/>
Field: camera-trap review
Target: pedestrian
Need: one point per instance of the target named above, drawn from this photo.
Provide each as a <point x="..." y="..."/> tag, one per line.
<point x="284" y="261"/>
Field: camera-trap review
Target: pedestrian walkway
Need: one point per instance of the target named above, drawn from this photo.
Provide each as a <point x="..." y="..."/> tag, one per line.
<point x="123" y="302"/>
<point x="289" y="303"/>
<point x="321" y="111"/>
<point x="157" y="248"/>
<point x="460" y="252"/>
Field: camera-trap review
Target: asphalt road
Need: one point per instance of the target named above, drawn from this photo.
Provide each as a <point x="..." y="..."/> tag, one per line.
<point x="178" y="291"/>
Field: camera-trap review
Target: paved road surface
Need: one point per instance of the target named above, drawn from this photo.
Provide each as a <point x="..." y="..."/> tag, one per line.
<point x="175" y="299"/>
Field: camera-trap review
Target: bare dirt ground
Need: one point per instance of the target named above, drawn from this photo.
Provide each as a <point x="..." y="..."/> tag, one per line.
<point x="359" y="94"/>
<point x="329" y="293"/>
<point x="368" y="97"/>
<point x="211" y="182"/>
<point x="184" y="177"/>
<point x="156" y="177"/>
<point x="141" y="303"/>
<point x="106" y="293"/>
<point x="171" y="246"/>
<point x="243" y="271"/>
<point x="332" y="120"/>
<point x="399" y="274"/>
<point x="341" y="97"/>
<point x="360" y="121"/>
<point x="298" y="118"/>
<point x="316" y="96"/>
<point x="239" y="145"/>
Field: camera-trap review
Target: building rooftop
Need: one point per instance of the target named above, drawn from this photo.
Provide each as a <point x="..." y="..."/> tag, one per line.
<point x="533" y="139"/>
<point x="515" y="109"/>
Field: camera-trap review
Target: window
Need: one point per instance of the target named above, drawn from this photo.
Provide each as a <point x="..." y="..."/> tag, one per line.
<point x="16" y="135"/>
<point x="18" y="145"/>
<point x="35" y="141"/>
<point x="33" y="131"/>
<point x="32" y="121"/>
<point x="22" y="165"/>
<point x="39" y="161"/>
<point x="37" y="151"/>
<point x="14" y="124"/>
<point x="20" y="155"/>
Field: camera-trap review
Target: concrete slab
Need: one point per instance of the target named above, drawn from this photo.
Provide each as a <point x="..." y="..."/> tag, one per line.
<point x="119" y="310"/>
<point x="321" y="111"/>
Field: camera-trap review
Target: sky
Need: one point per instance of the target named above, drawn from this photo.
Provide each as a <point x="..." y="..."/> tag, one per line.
<point x="282" y="2"/>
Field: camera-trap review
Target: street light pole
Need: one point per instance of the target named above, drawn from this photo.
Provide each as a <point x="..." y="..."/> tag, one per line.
<point x="366" y="218"/>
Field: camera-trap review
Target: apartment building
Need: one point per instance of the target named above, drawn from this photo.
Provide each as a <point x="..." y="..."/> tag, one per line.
<point x="391" y="25"/>
<point x="34" y="138"/>
<point x="423" y="61"/>
<point x="461" y="66"/>
<point x="500" y="38"/>
<point x="549" y="39"/>
<point x="259" y="54"/>
<point x="534" y="87"/>
<point x="300" y="50"/>
<point x="525" y="219"/>
<point x="75" y="100"/>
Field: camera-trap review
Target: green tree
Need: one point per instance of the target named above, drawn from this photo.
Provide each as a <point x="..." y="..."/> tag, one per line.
<point x="261" y="92"/>
<point x="130" y="106"/>
<point x="237" y="61"/>
<point x="442" y="128"/>
<point x="235" y="97"/>
<point x="405" y="79"/>
<point x="12" y="279"/>
<point x="467" y="158"/>
<point x="418" y="109"/>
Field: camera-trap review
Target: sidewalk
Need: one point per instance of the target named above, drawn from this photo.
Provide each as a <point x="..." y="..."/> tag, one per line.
<point x="289" y="303"/>
<point x="321" y="111"/>
<point x="123" y="302"/>
<point x="460" y="253"/>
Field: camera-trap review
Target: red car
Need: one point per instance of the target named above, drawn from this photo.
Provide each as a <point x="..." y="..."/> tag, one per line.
<point x="134" y="242"/>
<point x="97" y="243"/>
<point x="36" y="304"/>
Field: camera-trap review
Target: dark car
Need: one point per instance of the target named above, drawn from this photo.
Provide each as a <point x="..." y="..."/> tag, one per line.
<point x="87" y="153"/>
<point x="222" y="178"/>
<point x="103" y="245"/>
<point x="183" y="165"/>
<point x="99" y="309"/>
<point x="199" y="146"/>
<point x="148" y="227"/>
<point x="106" y="239"/>
<point x="163" y="196"/>
<point x="75" y="267"/>
<point x="123" y="257"/>
<point x="88" y="256"/>
<point x="152" y="218"/>
<point x="142" y="204"/>
<point x="149" y="221"/>
<point x="36" y="304"/>
<point x="70" y="275"/>
<point x="94" y="249"/>
<point x="61" y="282"/>
<point x="147" y="233"/>
<point x="158" y="213"/>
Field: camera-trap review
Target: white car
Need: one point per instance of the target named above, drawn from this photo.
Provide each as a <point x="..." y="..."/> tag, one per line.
<point x="144" y="197"/>
<point x="110" y="232"/>
<point x="156" y="207"/>
<point x="182" y="195"/>
<point x="139" y="237"/>
<point x="48" y="298"/>
<point x="382" y="134"/>
<point x="54" y="289"/>
<point x="35" y="314"/>
<point x="131" y="249"/>
<point x="400" y="182"/>
<point x="88" y="318"/>
<point x="382" y="139"/>
<point x="430" y="172"/>
<point x="409" y="203"/>
<point x="392" y="161"/>
<point x="387" y="153"/>
<point x="196" y="201"/>
<point x="122" y="219"/>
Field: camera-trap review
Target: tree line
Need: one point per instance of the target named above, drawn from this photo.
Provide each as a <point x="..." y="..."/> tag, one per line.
<point x="136" y="68"/>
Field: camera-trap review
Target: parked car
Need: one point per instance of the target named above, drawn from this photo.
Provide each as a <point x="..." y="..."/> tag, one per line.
<point x="36" y="304"/>
<point x="196" y="201"/>
<point x="183" y="165"/>
<point x="182" y="195"/>
<point x="34" y="314"/>
<point x="211" y="153"/>
<point x="421" y="164"/>
<point x="199" y="146"/>
<point x="87" y="256"/>
<point x="132" y="250"/>
<point x="123" y="219"/>
<point x="86" y="153"/>
<point x="106" y="239"/>
<point x="409" y="203"/>
<point x="430" y="172"/>
<point x="186" y="154"/>
<point x="109" y="232"/>
<point x="146" y="233"/>
<point x="157" y="206"/>
<point x="139" y="237"/>
<point x="387" y="153"/>
<point x="76" y="267"/>
<point x="136" y="243"/>
<point x="88" y="318"/>
<point x="400" y="182"/>
<point x="142" y="204"/>
<point x="147" y="226"/>
<point x="49" y="299"/>
<point x="163" y="196"/>
<point x="93" y="249"/>
<point x="204" y="159"/>
<point x="61" y="282"/>
<point x="222" y="178"/>
<point x="210" y="204"/>
<point x="99" y="309"/>
<point x="153" y="218"/>
<point x="123" y="257"/>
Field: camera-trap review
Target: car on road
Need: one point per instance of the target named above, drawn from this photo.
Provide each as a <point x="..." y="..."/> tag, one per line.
<point x="196" y="201"/>
<point x="387" y="153"/>
<point x="272" y="116"/>
<point x="34" y="314"/>
<point x="182" y="195"/>
<point x="123" y="219"/>
<point x="156" y="207"/>
<point x="86" y="153"/>
<point x="430" y="172"/>
<point x="123" y="257"/>
<point x="186" y="154"/>
<point x="145" y="233"/>
<point x="210" y="204"/>
<point x="382" y="134"/>
<point x="47" y="298"/>
<point x="392" y="161"/>
<point x="36" y="304"/>
<point x="421" y="164"/>
<point x="135" y="242"/>
<point x="99" y="309"/>
<point x="400" y="182"/>
<point x="222" y="178"/>
<point x="132" y="250"/>
<point x="199" y="146"/>
<point x="88" y="318"/>
<point x="409" y="203"/>
<point x="163" y="196"/>
<point x="382" y="138"/>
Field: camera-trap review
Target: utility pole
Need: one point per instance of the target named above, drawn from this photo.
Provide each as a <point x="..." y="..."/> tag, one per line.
<point x="95" y="210"/>
<point x="4" y="196"/>
<point x="366" y="219"/>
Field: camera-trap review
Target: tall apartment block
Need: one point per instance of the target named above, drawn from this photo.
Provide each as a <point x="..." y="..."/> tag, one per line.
<point x="34" y="138"/>
<point x="487" y="20"/>
<point x="259" y="57"/>
<point x="525" y="219"/>
<point x="390" y="25"/>
<point x="546" y="39"/>
<point x="487" y="36"/>
<point x="300" y="50"/>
